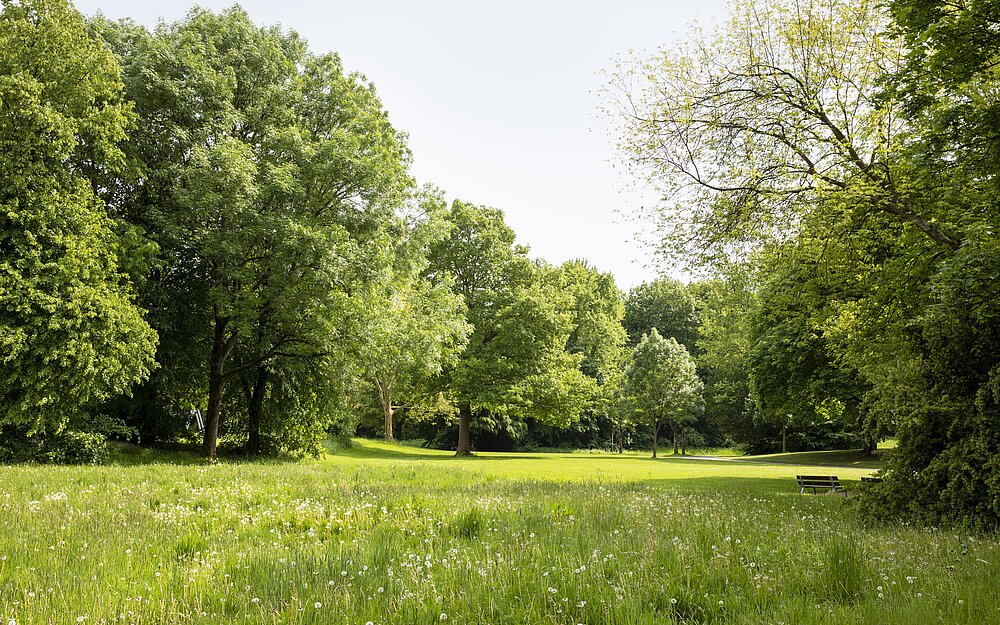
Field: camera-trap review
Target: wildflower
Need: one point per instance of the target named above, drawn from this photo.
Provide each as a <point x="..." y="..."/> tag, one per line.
<point x="317" y="605"/>
<point x="673" y="601"/>
<point x="443" y="617"/>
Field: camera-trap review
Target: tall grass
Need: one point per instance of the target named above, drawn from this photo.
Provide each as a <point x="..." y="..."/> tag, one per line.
<point x="358" y="541"/>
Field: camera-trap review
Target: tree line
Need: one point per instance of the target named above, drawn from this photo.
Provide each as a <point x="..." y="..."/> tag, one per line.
<point x="206" y="220"/>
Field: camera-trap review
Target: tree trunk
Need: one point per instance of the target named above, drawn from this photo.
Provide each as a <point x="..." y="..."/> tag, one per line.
<point x="464" y="421"/>
<point x="869" y="445"/>
<point x="784" y="438"/>
<point x="684" y="441"/>
<point x="216" y="382"/>
<point x="673" y="429"/>
<point x="255" y="411"/>
<point x="656" y="435"/>
<point x="387" y="411"/>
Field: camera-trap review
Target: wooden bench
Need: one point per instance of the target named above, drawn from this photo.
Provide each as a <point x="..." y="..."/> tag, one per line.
<point x="819" y="481"/>
<point x="871" y="480"/>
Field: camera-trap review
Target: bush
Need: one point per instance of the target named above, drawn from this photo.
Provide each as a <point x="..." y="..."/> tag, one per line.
<point x="65" y="447"/>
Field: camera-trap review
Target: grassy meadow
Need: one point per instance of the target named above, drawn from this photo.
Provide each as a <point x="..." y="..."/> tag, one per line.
<point x="393" y="534"/>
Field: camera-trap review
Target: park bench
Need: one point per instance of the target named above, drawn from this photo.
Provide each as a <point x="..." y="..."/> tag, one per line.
<point x="819" y="481"/>
<point x="871" y="480"/>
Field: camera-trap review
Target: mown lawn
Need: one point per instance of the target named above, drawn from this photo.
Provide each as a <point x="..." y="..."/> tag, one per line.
<point x="391" y="534"/>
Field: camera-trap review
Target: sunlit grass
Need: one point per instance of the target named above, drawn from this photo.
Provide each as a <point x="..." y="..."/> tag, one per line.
<point x="393" y="534"/>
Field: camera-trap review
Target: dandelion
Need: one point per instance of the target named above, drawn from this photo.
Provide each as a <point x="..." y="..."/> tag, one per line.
<point x="255" y="600"/>
<point x="673" y="601"/>
<point x="443" y="617"/>
<point x="317" y="605"/>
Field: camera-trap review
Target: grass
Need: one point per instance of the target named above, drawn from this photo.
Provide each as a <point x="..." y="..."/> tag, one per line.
<point x="395" y="534"/>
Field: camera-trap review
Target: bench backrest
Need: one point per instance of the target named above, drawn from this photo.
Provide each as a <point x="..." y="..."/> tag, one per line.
<point x="816" y="481"/>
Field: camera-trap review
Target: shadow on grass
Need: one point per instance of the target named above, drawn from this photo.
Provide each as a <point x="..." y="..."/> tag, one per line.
<point x="745" y="485"/>
<point x="403" y="452"/>
<point x="847" y="458"/>
<point x="123" y="454"/>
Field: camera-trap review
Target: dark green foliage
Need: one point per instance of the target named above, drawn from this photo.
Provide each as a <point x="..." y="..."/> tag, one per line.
<point x="67" y="446"/>
<point x="664" y="304"/>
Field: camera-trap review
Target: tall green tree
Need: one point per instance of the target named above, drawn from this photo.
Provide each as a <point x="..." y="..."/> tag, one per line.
<point x="416" y="326"/>
<point x="71" y="333"/>
<point x="515" y="362"/>
<point x="662" y="386"/>
<point x="724" y="309"/>
<point x="798" y="378"/>
<point x="266" y="175"/>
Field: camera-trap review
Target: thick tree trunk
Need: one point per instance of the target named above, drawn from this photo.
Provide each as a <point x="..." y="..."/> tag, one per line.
<point x="684" y="441"/>
<point x="464" y="422"/>
<point x="673" y="430"/>
<point x="784" y="439"/>
<point x="255" y="411"/>
<point x="656" y="435"/>
<point x="216" y="383"/>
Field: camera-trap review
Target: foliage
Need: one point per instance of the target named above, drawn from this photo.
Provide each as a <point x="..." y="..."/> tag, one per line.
<point x="797" y="380"/>
<point x="71" y="334"/>
<point x="415" y="326"/>
<point x="749" y="129"/>
<point x="872" y="145"/>
<point x="515" y="362"/>
<point x="724" y="307"/>
<point x="661" y="385"/>
<point x="268" y="176"/>
<point x="665" y="304"/>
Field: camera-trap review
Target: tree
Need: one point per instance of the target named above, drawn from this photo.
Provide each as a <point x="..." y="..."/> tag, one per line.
<point x="724" y="307"/>
<point x="798" y="379"/>
<point x="266" y="175"/>
<point x="515" y="362"/>
<point x="70" y="331"/>
<point x="416" y="326"/>
<point x="750" y="129"/>
<point x="597" y="336"/>
<point x="664" y="304"/>
<point x="662" y="386"/>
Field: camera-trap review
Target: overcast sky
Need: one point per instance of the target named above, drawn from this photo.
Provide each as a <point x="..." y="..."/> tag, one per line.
<point x="500" y="101"/>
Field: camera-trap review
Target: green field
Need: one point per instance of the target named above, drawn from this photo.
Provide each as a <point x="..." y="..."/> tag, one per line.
<point x="395" y="534"/>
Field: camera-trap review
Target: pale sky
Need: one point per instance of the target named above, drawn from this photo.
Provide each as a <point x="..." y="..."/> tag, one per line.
<point x="500" y="101"/>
